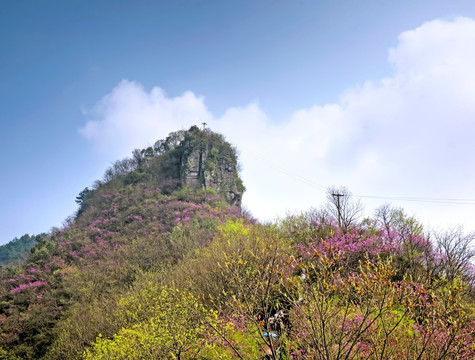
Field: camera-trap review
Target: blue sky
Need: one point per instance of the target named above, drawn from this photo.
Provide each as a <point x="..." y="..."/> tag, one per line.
<point x="374" y="95"/>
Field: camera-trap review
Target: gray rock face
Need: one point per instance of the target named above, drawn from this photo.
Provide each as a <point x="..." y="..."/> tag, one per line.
<point x="209" y="162"/>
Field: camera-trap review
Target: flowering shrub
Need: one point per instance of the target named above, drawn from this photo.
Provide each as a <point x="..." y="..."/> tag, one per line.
<point x="183" y="275"/>
<point x="365" y="314"/>
<point x="177" y="327"/>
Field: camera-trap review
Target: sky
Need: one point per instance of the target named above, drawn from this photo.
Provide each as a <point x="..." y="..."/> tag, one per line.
<point x="377" y="96"/>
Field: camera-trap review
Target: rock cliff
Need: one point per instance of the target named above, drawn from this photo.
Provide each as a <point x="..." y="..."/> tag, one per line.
<point x="208" y="161"/>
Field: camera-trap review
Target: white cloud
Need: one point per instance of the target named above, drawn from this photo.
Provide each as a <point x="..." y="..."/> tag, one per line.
<point x="410" y="134"/>
<point x="131" y="117"/>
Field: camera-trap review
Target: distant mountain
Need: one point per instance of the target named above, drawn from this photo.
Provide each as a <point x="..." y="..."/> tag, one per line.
<point x="18" y="249"/>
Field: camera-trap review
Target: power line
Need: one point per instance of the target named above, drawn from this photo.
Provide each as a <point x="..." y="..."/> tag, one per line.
<point x="308" y="182"/>
<point x="286" y="172"/>
<point x="428" y="200"/>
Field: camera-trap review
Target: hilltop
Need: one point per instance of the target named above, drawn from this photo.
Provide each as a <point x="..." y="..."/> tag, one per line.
<point x="192" y="159"/>
<point x="159" y="262"/>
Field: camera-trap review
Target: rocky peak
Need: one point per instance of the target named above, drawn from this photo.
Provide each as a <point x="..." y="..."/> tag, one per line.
<point x="208" y="161"/>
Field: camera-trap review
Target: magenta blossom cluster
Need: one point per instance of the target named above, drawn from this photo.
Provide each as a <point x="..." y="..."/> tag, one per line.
<point x="33" y="284"/>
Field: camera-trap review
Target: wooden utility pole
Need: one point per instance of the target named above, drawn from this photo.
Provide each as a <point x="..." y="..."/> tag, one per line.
<point x="338" y="207"/>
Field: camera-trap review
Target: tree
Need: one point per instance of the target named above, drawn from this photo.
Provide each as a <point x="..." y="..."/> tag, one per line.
<point x="414" y="255"/>
<point x="171" y="142"/>
<point x="456" y="251"/>
<point x="165" y="324"/>
<point x="343" y="207"/>
<point x="17" y="249"/>
<point x="120" y="168"/>
<point x="83" y="196"/>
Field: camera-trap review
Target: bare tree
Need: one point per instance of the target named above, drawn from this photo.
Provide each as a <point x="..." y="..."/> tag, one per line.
<point x="457" y="251"/>
<point x="343" y="206"/>
<point x="318" y="217"/>
<point x="383" y="217"/>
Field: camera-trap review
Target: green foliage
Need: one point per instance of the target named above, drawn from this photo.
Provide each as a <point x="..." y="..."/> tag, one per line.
<point x="234" y="342"/>
<point x="83" y="196"/>
<point x="240" y="258"/>
<point x="18" y="249"/>
<point x="7" y="355"/>
<point x="168" y="324"/>
<point x="301" y="228"/>
<point x="240" y="184"/>
<point x="80" y="326"/>
<point x="405" y="224"/>
<point x="196" y="196"/>
<point x="137" y="177"/>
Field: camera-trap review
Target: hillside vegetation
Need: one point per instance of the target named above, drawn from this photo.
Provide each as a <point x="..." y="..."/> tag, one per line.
<point x="18" y="249"/>
<point x="154" y="266"/>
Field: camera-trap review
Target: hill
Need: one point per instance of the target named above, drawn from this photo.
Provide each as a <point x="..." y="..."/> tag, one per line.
<point x="160" y="263"/>
<point x="18" y="249"/>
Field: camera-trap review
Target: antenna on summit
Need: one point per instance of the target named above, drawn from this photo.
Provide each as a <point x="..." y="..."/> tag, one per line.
<point x="204" y="125"/>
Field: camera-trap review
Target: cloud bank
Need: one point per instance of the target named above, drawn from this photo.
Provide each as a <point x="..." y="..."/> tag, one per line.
<point x="409" y="134"/>
<point x="130" y="117"/>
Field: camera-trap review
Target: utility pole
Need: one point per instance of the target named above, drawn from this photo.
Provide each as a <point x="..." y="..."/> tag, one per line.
<point x="337" y="196"/>
<point x="204" y="125"/>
